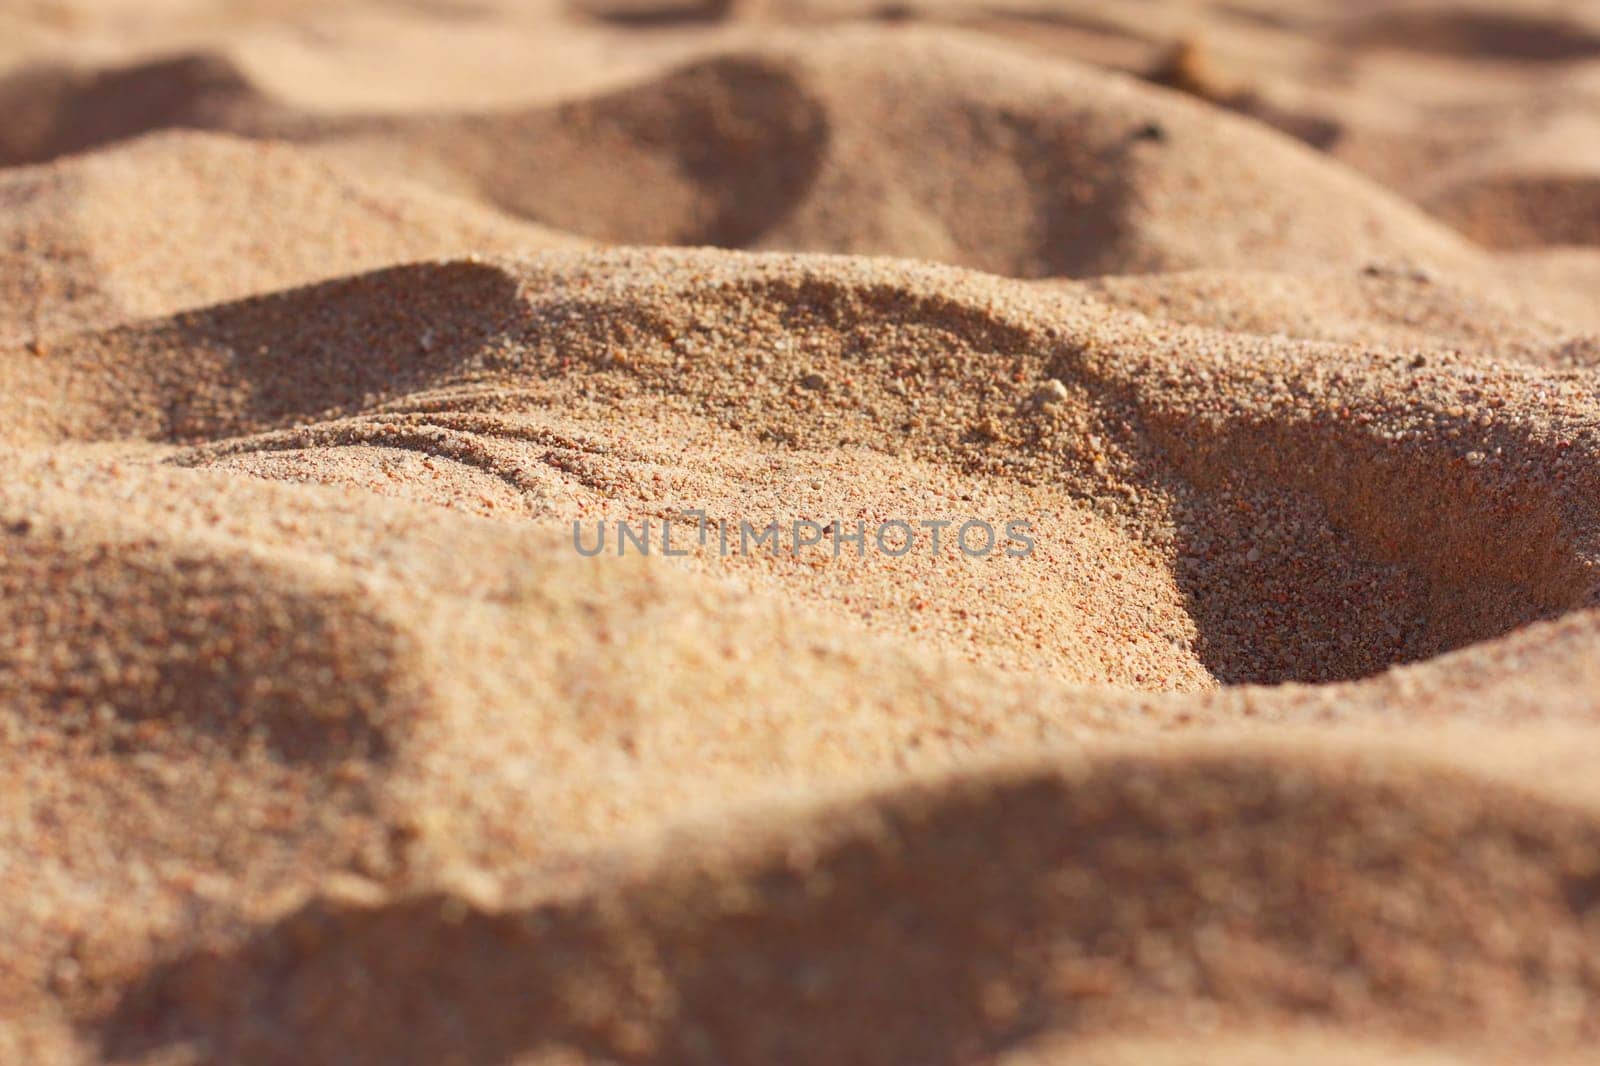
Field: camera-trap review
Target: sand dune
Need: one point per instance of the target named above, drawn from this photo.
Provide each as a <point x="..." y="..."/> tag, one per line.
<point x="950" y="150"/>
<point x="396" y="746"/>
<point x="382" y="661"/>
<point x="57" y="110"/>
<point x="325" y="740"/>
<point x="960" y="961"/>
<point x="184" y="219"/>
<point x="491" y="366"/>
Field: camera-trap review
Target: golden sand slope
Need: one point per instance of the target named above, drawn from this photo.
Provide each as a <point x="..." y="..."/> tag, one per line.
<point x="430" y="703"/>
<point x="1223" y="459"/>
<point x="322" y="743"/>
<point x="913" y="144"/>
<point x="184" y="219"/>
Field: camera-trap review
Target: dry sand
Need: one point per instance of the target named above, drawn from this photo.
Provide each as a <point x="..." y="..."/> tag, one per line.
<point x="322" y="325"/>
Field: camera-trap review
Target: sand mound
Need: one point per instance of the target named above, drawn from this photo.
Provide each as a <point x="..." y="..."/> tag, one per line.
<point x="276" y="358"/>
<point x="944" y="922"/>
<point x="426" y="771"/>
<point x="54" y="110"/>
<point x="337" y="724"/>
<point x="1257" y="483"/>
<point x="952" y="151"/>
<point x="718" y="153"/>
<point x="182" y="219"/>
<point x="429" y="807"/>
<point x="306" y="683"/>
<point x="927" y="144"/>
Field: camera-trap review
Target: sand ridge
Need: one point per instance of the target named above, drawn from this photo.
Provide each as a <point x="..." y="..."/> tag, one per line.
<point x="323" y="742"/>
<point x="953" y="151"/>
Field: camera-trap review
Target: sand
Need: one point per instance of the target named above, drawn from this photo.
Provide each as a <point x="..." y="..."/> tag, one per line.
<point x="326" y="329"/>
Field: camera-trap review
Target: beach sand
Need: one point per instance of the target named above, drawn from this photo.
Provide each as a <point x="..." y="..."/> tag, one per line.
<point x="332" y="335"/>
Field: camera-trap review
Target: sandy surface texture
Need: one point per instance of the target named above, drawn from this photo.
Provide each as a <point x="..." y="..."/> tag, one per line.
<point x="1122" y="493"/>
